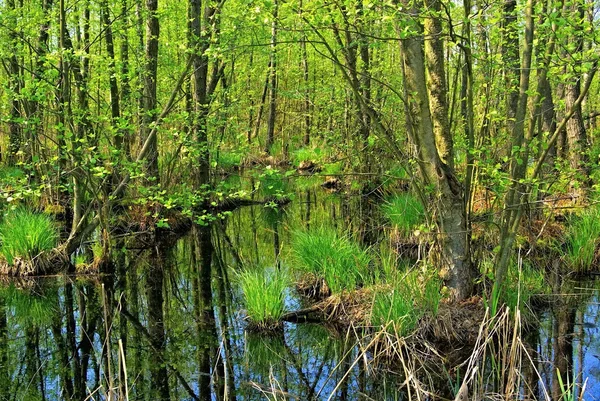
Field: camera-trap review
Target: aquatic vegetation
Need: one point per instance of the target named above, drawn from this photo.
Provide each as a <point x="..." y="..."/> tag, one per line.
<point x="272" y="183"/>
<point x="264" y="296"/>
<point x="405" y="211"/>
<point x="24" y="234"/>
<point x="582" y="239"/>
<point x="338" y="260"/>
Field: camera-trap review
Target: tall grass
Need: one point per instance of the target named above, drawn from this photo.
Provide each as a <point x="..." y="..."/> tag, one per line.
<point x="395" y="308"/>
<point x="264" y="296"/>
<point x="582" y="239"/>
<point x="404" y="211"/>
<point x="412" y="295"/>
<point x="24" y="234"/>
<point x="341" y="262"/>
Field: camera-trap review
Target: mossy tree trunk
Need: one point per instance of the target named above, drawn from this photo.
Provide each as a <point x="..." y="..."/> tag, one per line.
<point x="454" y="259"/>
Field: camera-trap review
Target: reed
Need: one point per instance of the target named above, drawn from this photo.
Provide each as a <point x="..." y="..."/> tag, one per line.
<point x="338" y="260"/>
<point x="25" y="234"/>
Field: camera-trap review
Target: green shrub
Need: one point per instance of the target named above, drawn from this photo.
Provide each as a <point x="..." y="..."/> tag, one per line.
<point x="341" y="262"/>
<point x="24" y="234"/>
<point x="264" y="296"/>
<point x="582" y="239"/>
<point x="404" y="211"/>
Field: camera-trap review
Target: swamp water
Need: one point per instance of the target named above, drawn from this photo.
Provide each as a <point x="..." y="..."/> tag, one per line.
<point x="160" y="328"/>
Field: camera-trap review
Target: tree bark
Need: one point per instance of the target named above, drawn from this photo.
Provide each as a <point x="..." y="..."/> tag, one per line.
<point x="454" y="260"/>
<point x="511" y="61"/>
<point x="149" y="95"/>
<point x="436" y="79"/>
<point x="576" y="132"/>
<point x="14" y="85"/>
<point x="273" y="81"/>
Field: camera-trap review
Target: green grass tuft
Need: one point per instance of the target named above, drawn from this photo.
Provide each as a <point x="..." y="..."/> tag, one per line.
<point x="264" y="296"/>
<point x="412" y="295"/>
<point x="522" y="284"/>
<point x="306" y="154"/>
<point x="582" y="239"/>
<point x="24" y="234"/>
<point x="395" y="310"/>
<point x="228" y="159"/>
<point x="404" y="211"/>
<point x="341" y="262"/>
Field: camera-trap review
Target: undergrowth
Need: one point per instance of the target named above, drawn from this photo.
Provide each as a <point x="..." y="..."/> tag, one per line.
<point x="24" y="234"/>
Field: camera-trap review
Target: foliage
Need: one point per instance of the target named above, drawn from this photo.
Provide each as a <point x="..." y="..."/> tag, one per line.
<point x="264" y="296"/>
<point x="24" y="234"/>
<point x="341" y="262"/>
<point x="405" y="211"/>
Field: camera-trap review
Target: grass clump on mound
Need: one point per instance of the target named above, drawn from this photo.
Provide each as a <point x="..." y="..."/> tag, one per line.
<point x="326" y="255"/>
<point x="523" y="283"/>
<point x="25" y="234"/>
<point x="264" y="297"/>
<point x="405" y="212"/>
<point x="582" y="239"/>
<point x="408" y="299"/>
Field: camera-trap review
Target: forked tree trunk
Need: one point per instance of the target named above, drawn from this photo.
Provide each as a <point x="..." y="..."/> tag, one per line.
<point x="454" y="260"/>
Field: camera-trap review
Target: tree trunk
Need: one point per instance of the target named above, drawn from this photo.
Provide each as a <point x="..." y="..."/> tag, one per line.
<point x="576" y="132"/>
<point x="115" y="110"/>
<point x="273" y="81"/>
<point x="305" y="81"/>
<point x="150" y="101"/>
<point x="438" y="88"/>
<point x="14" y="85"/>
<point x="454" y="260"/>
<point x="511" y="60"/>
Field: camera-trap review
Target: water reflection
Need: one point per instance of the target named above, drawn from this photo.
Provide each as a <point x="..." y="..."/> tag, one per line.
<point x="166" y="324"/>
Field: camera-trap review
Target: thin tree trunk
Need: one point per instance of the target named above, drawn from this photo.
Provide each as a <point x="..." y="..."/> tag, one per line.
<point x="576" y="132"/>
<point x="305" y="81"/>
<point x="150" y="79"/>
<point x="273" y="81"/>
<point x="510" y="59"/>
<point x="14" y="84"/>
<point x="115" y="110"/>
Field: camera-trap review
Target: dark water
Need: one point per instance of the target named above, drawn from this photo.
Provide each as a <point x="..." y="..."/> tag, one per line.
<point x="167" y="323"/>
